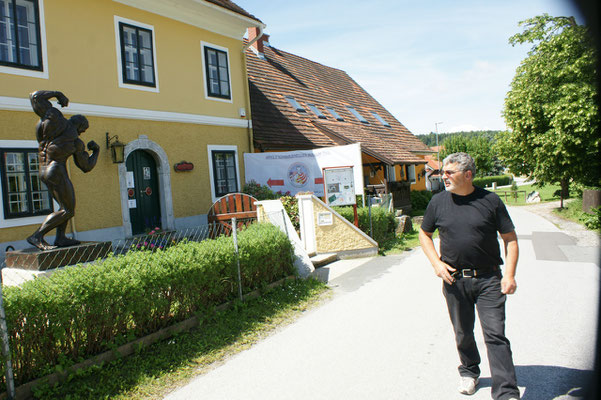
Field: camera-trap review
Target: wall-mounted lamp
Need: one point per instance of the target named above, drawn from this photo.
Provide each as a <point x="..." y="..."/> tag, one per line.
<point x="117" y="148"/>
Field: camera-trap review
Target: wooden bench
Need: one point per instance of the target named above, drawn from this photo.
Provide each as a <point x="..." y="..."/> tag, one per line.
<point x="234" y="205"/>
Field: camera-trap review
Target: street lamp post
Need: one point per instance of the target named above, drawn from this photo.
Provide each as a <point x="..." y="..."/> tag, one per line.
<point x="437" y="148"/>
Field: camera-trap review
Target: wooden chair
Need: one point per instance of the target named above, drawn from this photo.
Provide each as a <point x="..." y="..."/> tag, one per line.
<point x="234" y="205"/>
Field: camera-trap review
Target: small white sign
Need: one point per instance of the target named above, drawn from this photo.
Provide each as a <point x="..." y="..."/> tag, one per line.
<point x="146" y="173"/>
<point x="325" y="218"/>
<point x="131" y="203"/>
<point x="129" y="177"/>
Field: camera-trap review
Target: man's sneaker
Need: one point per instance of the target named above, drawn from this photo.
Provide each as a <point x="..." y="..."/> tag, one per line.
<point x="467" y="385"/>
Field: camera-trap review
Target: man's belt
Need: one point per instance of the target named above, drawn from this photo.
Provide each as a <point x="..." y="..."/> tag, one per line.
<point x="473" y="273"/>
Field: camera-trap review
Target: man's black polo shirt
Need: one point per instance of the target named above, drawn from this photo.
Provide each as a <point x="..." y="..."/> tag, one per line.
<point x="468" y="227"/>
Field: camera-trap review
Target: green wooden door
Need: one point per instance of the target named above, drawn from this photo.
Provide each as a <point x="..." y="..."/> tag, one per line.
<point x="144" y="206"/>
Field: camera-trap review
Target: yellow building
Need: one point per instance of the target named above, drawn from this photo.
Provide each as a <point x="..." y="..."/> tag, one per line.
<point x="168" y="78"/>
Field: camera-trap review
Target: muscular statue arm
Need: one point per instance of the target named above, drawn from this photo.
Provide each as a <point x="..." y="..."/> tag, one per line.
<point x="40" y="101"/>
<point x="83" y="160"/>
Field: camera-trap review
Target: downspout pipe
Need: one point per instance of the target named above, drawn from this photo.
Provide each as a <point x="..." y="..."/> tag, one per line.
<point x="251" y="147"/>
<point x="261" y="28"/>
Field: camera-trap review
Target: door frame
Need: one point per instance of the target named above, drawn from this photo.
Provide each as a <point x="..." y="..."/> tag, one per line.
<point x="164" y="182"/>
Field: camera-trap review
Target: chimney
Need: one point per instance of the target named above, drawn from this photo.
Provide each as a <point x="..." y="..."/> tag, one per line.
<point x="257" y="47"/>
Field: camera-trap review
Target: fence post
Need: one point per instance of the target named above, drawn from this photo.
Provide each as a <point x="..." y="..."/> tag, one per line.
<point x="371" y="232"/>
<point x="10" y="379"/>
<point x="235" y="237"/>
<point x="284" y="221"/>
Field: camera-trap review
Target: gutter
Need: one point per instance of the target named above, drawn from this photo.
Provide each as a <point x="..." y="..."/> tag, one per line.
<point x="261" y="27"/>
<point x="251" y="148"/>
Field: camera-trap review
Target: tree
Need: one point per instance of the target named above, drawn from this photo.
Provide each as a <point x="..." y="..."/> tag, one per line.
<point x="477" y="146"/>
<point x="430" y="139"/>
<point x="552" y="107"/>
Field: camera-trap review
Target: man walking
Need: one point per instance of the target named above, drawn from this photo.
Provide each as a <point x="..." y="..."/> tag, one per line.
<point x="468" y="219"/>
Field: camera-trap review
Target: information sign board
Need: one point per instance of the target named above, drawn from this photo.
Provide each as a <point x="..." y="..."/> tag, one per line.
<point x="339" y="186"/>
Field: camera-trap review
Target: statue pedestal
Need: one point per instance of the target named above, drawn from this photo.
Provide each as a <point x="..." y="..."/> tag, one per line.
<point x="38" y="260"/>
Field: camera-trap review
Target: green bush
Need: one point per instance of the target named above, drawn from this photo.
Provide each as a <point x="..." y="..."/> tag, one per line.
<point x="420" y="199"/>
<point x="290" y="203"/>
<point x="81" y="311"/>
<point x="592" y="219"/>
<point x="502" y="180"/>
<point x="261" y="192"/>
<point x="383" y="222"/>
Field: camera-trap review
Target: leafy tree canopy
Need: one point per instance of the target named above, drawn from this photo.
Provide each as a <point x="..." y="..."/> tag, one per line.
<point x="430" y="139"/>
<point x="478" y="144"/>
<point x="551" y="108"/>
<point x="479" y="147"/>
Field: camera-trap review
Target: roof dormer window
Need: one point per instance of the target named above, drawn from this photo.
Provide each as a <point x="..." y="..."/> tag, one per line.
<point x="334" y="113"/>
<point x="357" y="115"/>
<point x="316" y="111"/>
<point x="382" y="121"/>
<point x="294" y="104"/>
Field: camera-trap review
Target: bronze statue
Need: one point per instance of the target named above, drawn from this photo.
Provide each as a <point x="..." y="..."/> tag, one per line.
<point x="58" y="139"/>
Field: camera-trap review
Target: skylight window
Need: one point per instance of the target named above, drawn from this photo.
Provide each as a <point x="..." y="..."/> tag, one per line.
<point x="334" y="113"/>
<point x="316" y="111"/>
<point x="357" y="115"/>
<point x="295" y="104"/>
<point x="376" y="116"/>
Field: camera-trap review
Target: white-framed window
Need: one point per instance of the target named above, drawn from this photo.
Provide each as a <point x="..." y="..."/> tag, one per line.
<point x="382" y="120"/>
<point x="217" y="76"/>
<point x="332" y="111"/>
<point x="295" y="104"/>
<point x="23" y="38"/>
<point x="316" y="111"/>
<point x="25" y="198"/>
<point x="411" y="173"/>
<point x="357" y="115"/>
<point x="391" y="173"/>
<point x="223" y="170"/>
<point x="136" y="55"/>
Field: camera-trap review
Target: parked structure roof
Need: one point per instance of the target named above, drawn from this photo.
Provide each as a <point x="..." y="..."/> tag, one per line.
<point x="275" y="74"/>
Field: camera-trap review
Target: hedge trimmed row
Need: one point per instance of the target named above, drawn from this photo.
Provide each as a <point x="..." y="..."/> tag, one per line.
<point x="383" y="222"/>
<point x="420" y="199"/>
<point x="502" y="180"/>
<point x="81" y="311"/>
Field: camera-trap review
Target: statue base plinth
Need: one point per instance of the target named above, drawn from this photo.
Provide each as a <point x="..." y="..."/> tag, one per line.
<point x="42" y="260"/>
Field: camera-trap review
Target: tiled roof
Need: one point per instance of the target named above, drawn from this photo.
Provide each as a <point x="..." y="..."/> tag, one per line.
<point x="230" y="5"/>
<point x="279" y="126"/>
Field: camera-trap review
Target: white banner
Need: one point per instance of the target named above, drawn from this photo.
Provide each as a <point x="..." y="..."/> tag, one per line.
<point x="301" y="170"/>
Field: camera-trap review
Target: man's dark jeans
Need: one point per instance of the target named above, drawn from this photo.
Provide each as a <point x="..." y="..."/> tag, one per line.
<point x="485" y="294"/>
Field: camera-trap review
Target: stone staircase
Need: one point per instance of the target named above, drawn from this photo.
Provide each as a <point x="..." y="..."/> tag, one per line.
<point x="320" y="260"/>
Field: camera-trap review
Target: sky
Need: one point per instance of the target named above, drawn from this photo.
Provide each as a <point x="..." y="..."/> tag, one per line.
<point x="431" y="63"/>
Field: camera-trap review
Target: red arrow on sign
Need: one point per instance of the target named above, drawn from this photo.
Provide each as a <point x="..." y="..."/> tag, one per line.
<point x="275" y="182"/>
<point x="319" y="181"/>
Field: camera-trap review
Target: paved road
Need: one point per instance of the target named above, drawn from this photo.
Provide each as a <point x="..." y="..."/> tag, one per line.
<point x="386" y="333"/>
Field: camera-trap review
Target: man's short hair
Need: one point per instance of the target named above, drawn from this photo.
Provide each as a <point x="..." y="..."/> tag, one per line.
<point x="80" y="122"/>
<point x="463" y="160"/>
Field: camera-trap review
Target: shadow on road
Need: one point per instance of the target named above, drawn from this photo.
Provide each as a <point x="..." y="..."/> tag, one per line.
<point x="543" y="382"/>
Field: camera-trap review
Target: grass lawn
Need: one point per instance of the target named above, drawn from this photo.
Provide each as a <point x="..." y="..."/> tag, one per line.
<point x="164" y="366"/>
<point x="546" y="194"/>
<point x="573" y="211"/>
<point x="400" y="244"/>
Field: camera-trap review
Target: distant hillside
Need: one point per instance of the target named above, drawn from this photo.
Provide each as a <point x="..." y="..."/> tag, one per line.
<point x="430" y="139"/>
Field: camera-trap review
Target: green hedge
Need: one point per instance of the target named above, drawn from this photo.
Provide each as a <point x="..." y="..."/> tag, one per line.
<point x="81" y="311"/>
<point x="383" y="222"/>
<point x="502" y="180"/>
<point x="420" y="199"/>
